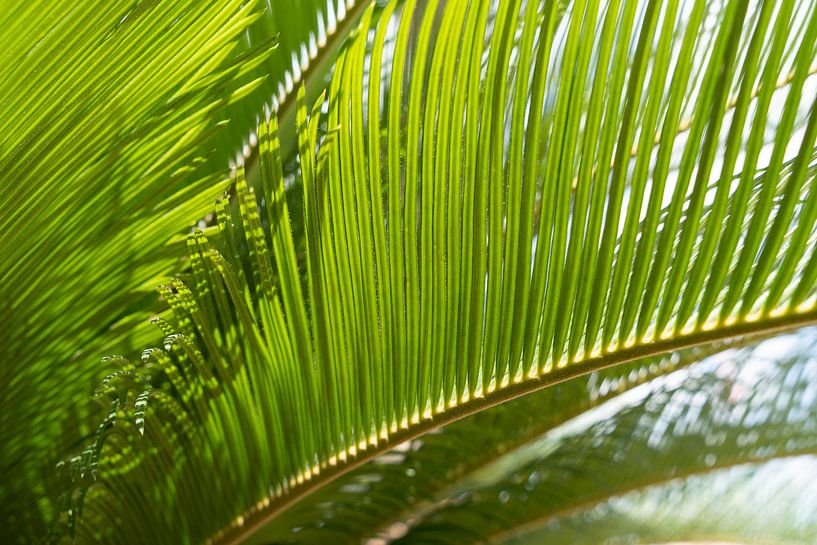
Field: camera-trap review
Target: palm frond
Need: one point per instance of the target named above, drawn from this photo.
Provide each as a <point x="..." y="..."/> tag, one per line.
<point x="415" y="478"/>
<point x="109" y="111"/>
<point x="697" y="422"/>
<point x="118" y="127"/>
<point x="766" y="503"/>
<point x="468" y="242"/>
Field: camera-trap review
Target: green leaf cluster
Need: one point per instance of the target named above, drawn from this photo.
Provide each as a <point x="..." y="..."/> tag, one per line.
<point x="117" y="124"/>
<point x="495" y="199"/>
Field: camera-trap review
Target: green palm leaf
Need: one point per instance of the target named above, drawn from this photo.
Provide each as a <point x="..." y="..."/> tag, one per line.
<point x="776" y="512"/>
<point x="697" y="423"/>
<point x="117" y="125"/>
<point x="474" y="232"/>
<point x="422" y="474"/>
<point x="106" y="108"/>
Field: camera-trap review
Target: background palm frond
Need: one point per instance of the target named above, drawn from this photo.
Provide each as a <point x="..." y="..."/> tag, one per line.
<point x="117" y="125"/>
<point x="743" y="409"/>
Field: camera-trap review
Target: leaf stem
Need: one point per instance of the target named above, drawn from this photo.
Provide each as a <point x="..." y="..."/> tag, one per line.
<point x="268" y="508"/>
<point x="316" y="68"/>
